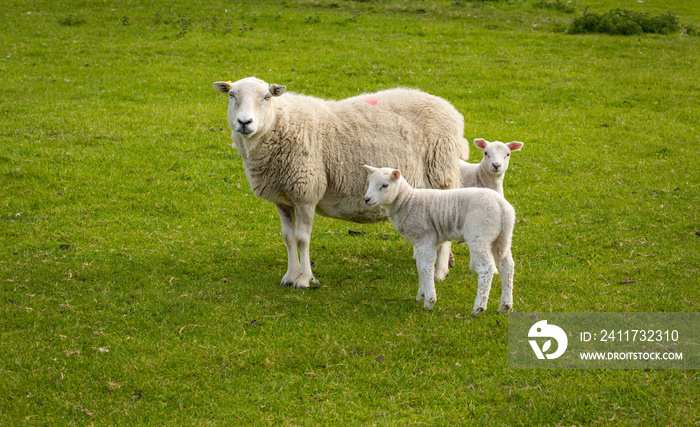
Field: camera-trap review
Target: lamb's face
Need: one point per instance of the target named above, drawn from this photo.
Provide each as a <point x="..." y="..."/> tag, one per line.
<point x="383" y="186"/>
<point x="497" y="154"/>
<point x="250" y="109"/>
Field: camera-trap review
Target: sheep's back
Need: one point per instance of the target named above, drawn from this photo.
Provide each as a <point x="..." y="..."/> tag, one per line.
<point x="316" y="149"/>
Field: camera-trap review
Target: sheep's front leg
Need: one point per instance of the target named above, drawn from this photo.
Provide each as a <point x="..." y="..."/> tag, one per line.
<point x="421" y="284"/>
<point x="425" y="261"/>
<point x="506" y="268"/>
<point x="443" y="261"/>
<point x="287" y="218"/>
<point x="305" y="221"/>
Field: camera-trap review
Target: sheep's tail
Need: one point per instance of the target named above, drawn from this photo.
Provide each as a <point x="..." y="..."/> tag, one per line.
<point x="507" y="224"/>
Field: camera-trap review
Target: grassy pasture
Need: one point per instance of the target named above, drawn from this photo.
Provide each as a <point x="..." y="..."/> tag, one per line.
<point x="139" y="275"/>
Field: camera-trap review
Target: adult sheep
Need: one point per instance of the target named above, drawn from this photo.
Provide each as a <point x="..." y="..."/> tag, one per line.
<point x="305" y="154"/>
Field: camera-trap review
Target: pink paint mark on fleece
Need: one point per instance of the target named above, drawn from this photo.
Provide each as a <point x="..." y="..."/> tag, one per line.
<point x="372" y="101"/>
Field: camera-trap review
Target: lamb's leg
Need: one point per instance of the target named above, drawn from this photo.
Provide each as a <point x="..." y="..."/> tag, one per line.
<point x="287" y="218"/>
<point x="425" y="261"/>
<point x="443" y="261"/>
<point x="506" y="268"/>
<point x="421" y="284"/>
<point x="305" y="221"/>
<point x="482" y="265"/>
<point x="482" y="294"/>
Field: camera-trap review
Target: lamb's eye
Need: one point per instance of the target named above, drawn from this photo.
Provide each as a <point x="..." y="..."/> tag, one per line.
<point x="383" y="186"/>
<point x="231" y="95"/>
<point x="508" y="155"/>
<point x="486" y="154"/>
<point x="267" y="97"/>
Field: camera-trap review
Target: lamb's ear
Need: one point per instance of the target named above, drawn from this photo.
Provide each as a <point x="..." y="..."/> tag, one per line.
<point x="481" y="143"/>
<point x="515" y="145"/>
<point x="277" y="90"/>
<point x="370" y="170"/>
<point x="222" y="87"/>
<point x="395" y="174"/>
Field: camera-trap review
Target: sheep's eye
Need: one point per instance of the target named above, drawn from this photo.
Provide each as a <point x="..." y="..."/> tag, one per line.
<point x="231" y="95"/>
<point x="383" y="186"/>
<point x="486" y="154"/>
<point x="267" y="97"/>
<point x="508" y="155"/>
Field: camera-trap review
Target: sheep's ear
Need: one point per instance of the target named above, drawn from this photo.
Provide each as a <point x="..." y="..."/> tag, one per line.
<point x="395" y="174"/>
<point x="515" y="145"/>
<point x="481" y="143"/>
<point x="222" y="87"/>
<point x="370" y="170"/>
<point x="277" y="90"/>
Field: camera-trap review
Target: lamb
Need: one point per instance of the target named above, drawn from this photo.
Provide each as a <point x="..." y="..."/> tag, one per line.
<point x="490" y="172"/>
<point x="426" y="218"/>
<point x="305" y="154"/>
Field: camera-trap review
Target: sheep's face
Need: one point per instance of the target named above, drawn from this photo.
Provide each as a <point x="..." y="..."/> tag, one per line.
<point x="250" y="109"/>
<point x="497" y="154"/>
<point x="383" y="186"/>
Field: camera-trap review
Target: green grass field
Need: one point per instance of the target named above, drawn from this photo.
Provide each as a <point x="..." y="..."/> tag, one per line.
<point x="139" y="276"/>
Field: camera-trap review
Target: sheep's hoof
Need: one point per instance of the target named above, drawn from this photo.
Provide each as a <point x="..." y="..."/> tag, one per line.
<point x="451" y="260"/>
<point x="428" y="304"/>
<point x="504" y="308"/>
<point x="303" y="283"/>
<point x="286" y="283"/>
<point x="420" y="297"/>
<point x="477" y="312"/>
<point x="440" y="275"/>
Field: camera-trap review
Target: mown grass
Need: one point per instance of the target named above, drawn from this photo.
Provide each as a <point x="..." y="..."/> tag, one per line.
<point x="128" y="226"/>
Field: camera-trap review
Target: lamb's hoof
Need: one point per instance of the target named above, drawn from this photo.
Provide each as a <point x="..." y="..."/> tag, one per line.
<point x="451" y="260"/>
<point x="303" y="282"/>
<point x="289" y="279"/>
<point x="505" y="308"/>
<point x="428" y="304"/>
<point x="477" y="312"/>
<point x="420" y="297"/>
<point x="440" y="275"/>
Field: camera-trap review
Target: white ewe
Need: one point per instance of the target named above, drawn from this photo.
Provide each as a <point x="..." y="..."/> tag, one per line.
<point x="305" y="154"/>
<point x="491" y="171"/>
<point x="426" y="218"/>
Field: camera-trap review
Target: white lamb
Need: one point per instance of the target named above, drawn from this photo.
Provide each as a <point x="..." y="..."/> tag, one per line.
<point x="426" y="218"/>
<point x="491" y="171"/>
<point x="305" y="154"/>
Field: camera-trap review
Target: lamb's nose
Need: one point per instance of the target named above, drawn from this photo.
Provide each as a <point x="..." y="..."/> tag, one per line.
<point x="245" y="121"/>
<point x="496" y="166"/>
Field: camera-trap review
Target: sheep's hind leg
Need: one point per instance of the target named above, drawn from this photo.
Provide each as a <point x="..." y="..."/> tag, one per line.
<point x="287" y="217"/>
<point x="425" y="262"/>
<point x="506" y="268"/>
<point x="443" y="261"/>
<point x="483" y="266"/>
<point x="305" y="221"/>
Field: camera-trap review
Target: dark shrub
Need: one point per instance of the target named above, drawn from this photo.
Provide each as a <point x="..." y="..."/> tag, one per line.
<point x="624" y="22"/>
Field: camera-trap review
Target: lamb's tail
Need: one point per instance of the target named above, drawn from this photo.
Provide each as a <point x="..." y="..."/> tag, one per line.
<point x="507" y="224"/>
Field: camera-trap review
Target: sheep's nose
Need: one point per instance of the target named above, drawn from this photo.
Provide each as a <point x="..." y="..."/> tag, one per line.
<point x="367" y="199"/>
<point x="496" y="166"/>
<point x="245" y="122"/>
